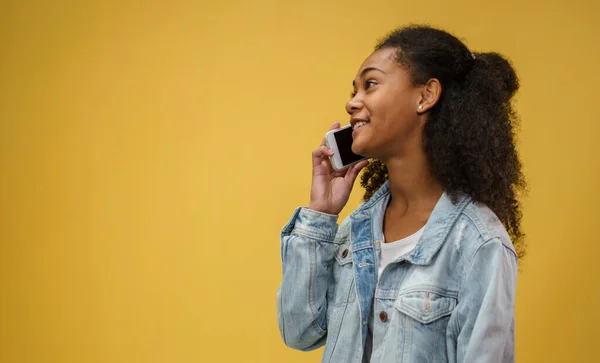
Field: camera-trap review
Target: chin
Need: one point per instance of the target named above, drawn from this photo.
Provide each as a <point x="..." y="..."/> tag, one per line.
<point x="359" y="149"/>
<point x="360" y="145"/>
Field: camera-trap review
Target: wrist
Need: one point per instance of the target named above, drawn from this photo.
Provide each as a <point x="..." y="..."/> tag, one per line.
<point x="322" y="209"/>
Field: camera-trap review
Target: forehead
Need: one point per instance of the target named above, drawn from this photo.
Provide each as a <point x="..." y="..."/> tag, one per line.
<point x="384" y="59"/>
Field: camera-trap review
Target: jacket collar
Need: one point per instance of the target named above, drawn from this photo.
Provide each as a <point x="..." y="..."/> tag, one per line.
<point x="443" y="217"/>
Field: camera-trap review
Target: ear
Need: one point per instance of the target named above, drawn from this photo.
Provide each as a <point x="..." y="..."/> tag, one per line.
<point x="430" y="94"/>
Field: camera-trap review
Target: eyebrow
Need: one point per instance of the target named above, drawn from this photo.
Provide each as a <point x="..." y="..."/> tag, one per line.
<point x="365" y="71"/>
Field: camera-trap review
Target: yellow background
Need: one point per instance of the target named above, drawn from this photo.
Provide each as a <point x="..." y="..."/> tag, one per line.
<point x="151" y="151"/>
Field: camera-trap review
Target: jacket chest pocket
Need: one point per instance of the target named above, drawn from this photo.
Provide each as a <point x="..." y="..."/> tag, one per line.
<point x="425" y="306"/>
<point x="423" y="317"/>
<point x="342" y="288"/>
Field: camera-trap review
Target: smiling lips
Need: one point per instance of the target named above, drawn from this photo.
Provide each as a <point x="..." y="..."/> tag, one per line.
<point x="359" y="124"/>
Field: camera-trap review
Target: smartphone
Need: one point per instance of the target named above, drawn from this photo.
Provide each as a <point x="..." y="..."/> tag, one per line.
<point x="340" y="142"/>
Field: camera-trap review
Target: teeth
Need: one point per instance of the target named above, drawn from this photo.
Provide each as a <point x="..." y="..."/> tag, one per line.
<point x="359" y="124"/>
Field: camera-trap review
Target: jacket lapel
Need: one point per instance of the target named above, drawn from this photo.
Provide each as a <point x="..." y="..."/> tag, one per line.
<point x="365" y="270"/>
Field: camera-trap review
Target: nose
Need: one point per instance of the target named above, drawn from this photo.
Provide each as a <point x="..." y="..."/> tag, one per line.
<point x="353" y="105"/>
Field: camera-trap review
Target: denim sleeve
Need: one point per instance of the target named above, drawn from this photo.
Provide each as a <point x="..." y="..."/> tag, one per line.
<point x="306" y="255"/>
<point x="486" y="320"/>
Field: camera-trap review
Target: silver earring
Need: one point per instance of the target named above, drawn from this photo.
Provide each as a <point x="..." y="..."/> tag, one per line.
<point x="420" y="107"/>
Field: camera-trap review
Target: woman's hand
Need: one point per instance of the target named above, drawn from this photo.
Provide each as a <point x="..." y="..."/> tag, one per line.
<point x="331" y="189"/>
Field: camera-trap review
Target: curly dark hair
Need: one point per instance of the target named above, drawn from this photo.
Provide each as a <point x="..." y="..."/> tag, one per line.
<point x="469" y="136"/>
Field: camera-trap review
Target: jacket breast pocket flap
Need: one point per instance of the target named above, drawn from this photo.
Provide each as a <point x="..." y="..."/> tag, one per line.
<point x="425" y="306"/>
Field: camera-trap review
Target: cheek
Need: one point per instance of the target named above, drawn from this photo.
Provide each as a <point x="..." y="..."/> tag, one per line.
<point x="394" y="113"/>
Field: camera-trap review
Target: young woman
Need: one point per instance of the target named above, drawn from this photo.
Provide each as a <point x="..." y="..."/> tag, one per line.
<point x="424" y="270"/>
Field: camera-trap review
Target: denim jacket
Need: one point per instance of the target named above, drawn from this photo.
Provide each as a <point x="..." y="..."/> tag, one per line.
<point x="451" y="299"/>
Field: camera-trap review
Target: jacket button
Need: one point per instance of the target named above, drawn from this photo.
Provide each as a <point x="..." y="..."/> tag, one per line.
<point x="383" y="316"/>
<point x="345" y="253"/>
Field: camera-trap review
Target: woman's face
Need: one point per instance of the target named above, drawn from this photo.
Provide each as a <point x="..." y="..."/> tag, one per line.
<point x="383" y="108"/>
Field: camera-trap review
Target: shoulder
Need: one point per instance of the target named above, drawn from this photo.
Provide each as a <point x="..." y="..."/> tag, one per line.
<point x="477" y="241"/>
<point x="475" y="226"/>
<point x="486" y="224"/>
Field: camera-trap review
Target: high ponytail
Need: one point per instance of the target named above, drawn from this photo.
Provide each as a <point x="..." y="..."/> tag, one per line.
<point x="469" y="135"/>
<point x="494" y="72"/>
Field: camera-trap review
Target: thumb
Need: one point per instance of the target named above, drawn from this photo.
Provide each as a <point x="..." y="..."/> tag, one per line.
<point x="354" y="170"/>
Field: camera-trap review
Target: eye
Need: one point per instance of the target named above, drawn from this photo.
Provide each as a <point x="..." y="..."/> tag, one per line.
<point x="370" y="83"/>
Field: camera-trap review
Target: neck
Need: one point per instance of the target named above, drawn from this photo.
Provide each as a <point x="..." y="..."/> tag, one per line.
<point x="414" y="188"/>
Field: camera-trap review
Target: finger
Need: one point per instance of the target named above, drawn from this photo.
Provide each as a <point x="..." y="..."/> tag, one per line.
<point x="321" y="154"/>
<point x="354" y="170"/>
<point x="335" y="126"/>
<point x="325" y="169"/>
<point x="322" y="151"/>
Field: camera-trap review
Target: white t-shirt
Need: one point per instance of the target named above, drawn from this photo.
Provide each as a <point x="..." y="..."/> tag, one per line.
<point x="392" y="250"/>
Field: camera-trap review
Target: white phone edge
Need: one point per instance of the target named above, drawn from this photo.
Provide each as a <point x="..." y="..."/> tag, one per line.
<point x="336" y="162"/>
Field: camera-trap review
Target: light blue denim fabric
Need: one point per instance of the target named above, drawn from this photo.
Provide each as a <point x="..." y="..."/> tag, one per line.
<point x="451" y="299"/>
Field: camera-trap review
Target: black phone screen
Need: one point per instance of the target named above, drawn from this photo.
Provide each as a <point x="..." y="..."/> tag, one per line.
<point x="343" y="138"/>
